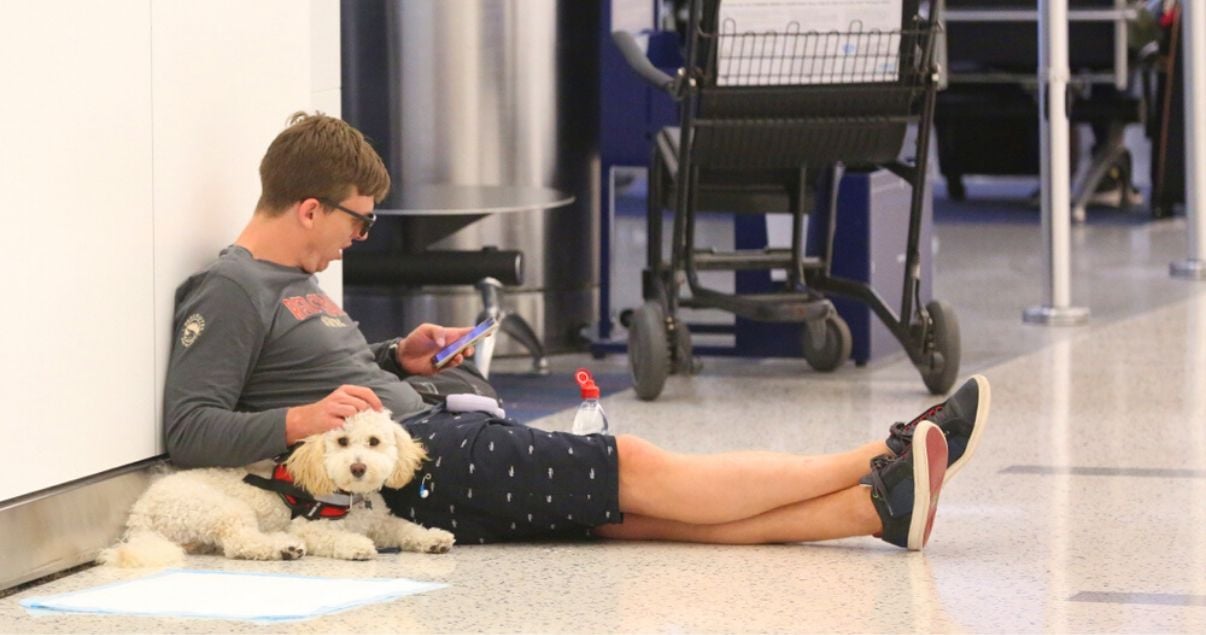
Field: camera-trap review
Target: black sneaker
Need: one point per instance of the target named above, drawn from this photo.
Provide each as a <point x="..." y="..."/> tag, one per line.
<point x="962" y="418"/>
<point x="1115" y="188"/>
<point x="904" y="489"/>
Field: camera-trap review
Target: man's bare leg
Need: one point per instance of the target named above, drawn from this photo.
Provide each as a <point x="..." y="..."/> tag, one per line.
<point x="720" y="488"/>
<point x="841" y="514"/>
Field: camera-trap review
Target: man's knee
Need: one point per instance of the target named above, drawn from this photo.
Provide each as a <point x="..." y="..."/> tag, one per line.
<point x="646" y="476"/>
<point x="636" y="454"/>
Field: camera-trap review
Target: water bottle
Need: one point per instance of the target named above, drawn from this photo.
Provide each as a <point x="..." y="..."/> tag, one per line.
<point x="590" y="418"/>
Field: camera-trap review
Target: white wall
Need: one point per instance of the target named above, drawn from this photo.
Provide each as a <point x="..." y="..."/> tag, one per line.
<point x="130" y="136"/>
<point x="326" y="85"/>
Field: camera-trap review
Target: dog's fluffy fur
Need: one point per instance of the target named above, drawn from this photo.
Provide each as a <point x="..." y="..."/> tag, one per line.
<point x="212" y="509"/>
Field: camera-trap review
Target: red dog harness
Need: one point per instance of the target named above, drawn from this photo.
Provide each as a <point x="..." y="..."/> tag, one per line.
<point x="301" y="502"/>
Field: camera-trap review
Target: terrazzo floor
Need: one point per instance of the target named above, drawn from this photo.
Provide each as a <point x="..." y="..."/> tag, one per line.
<point x="1083" y="511"/>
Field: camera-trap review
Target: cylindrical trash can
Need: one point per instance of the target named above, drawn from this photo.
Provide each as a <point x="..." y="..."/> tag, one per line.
<point x="484" y="92"/>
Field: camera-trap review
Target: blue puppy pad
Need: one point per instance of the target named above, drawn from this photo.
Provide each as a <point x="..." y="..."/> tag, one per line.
<point x="255" y="597"/>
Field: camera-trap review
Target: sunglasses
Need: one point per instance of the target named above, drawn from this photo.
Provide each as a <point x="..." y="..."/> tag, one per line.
<point x="366" y="220"/>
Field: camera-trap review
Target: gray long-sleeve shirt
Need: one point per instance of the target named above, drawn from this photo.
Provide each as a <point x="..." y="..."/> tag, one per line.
<point x="251" y="340"/>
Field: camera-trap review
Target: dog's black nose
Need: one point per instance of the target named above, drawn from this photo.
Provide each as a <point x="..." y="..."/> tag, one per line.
<point x="358" y="469"/>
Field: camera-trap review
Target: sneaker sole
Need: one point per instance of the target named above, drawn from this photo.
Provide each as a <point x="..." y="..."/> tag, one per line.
<point x="982" y="407"/>
<point x="929" y="470"/>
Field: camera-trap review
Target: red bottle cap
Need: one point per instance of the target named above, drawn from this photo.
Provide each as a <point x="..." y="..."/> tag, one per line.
<point x="586" y="384"/>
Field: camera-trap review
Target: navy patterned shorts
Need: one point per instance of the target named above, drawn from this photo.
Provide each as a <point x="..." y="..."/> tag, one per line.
<point x="494" y="480"/>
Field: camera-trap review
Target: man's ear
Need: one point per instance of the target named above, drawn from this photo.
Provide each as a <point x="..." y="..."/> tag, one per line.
<point x="307" y="467"/>
<point x="410" y="456"/>
<point x="307" y="211"/>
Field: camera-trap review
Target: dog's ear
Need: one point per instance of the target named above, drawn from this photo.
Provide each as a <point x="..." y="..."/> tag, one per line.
<point x="306" y="466"/>
<point x="410" y="456"/>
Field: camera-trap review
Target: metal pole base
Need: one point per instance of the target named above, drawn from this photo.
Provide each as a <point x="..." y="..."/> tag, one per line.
<point x="1188" y="269"/>
<point x="1056" y="316"/>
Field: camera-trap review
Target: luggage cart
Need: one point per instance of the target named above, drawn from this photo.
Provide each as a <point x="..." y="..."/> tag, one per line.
<point x="764" y="113"/>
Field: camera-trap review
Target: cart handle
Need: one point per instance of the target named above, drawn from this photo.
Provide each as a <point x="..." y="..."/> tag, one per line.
<point x="636" y="59"/>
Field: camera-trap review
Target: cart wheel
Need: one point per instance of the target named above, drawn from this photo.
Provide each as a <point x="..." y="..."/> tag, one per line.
<point x="943" y="368"/>
<point x="832" y="352"/>
<point x="648" y="351"/>
<point x="684" y="353"/>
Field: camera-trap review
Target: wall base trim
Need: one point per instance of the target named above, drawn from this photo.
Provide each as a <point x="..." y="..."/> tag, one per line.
<point x="55" y="529"/>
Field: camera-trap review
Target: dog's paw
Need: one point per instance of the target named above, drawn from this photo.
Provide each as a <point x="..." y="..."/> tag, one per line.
<point x="293" y="552"/>
<point x="437" y="541"/>
<point x="363" y="554"/>
<point x="289" y="547"/>
<point x="356" y="548"/>
<point x="274" y="546"/>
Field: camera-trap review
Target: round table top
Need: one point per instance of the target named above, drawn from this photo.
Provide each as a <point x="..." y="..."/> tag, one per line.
<point x="460" y="200"/>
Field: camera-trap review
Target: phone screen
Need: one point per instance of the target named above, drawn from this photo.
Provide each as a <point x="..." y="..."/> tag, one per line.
<point x="478" y="332"/>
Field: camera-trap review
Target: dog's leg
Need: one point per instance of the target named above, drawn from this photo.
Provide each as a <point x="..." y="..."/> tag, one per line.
<point x="390" y="531"/>
<point x="329" y="539"/>
<point x="233" y="523"/>
<point x="192" y="511"/>
<point x="249" y="543"/>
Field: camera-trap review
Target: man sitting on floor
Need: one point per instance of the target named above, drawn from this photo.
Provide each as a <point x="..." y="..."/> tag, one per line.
<point x="263" y="358"/>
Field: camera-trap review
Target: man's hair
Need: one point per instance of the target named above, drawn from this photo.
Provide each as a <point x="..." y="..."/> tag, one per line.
<point x="319" y="157"/>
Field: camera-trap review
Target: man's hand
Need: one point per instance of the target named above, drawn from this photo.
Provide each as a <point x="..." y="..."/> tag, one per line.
<point x="328" y="414"/>
<point x="416" y="353"/>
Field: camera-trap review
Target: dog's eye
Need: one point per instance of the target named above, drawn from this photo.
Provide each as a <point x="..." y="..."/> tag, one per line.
<point x="343" y="442"/>
<point x="374" y="441"/>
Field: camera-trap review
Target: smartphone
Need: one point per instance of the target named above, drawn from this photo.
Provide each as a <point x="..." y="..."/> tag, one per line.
<point x="485" y="329"/>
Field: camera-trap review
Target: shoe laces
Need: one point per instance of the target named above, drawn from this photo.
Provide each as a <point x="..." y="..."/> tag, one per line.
<point x="878" y="463"/>
<point x="878" y="488"/>
<point x="904" y="431"/>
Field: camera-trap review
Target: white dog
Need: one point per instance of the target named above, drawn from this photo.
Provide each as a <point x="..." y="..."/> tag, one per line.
<point x="215" y="509"/>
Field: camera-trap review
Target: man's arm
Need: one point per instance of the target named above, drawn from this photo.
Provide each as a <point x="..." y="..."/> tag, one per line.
<point x="217" y="339"/>
<point x="329" y="412"/>
<point x="386" y="354"/>
<point x="415" y="353"/>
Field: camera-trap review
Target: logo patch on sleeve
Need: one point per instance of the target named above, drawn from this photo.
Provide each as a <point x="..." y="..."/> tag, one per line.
<point x="192" y="329"/>
<point x="334" y="322"/>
